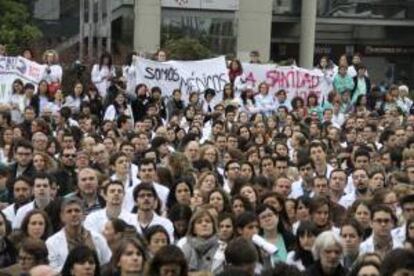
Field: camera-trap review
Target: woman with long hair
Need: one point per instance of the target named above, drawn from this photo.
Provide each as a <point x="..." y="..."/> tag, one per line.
<point x="81" y="261"/>
<point x="274" y="232"/>
<point x="41" y="99"/>
<point x="202" y="241"/>
<point x="302" y="257"/>
<point x="17" y="101"/>
<point x="76" y="98"/>
<point x="129" y="74"/>
<point x="119" y="107"/>
<point x="128" y="258"/>
<point x="103" y="73"/>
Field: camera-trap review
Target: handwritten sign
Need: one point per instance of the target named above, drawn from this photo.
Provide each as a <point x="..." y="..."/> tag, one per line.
<point x="188" y="76"/>
<point x="295" y="80"/>
<point x="12" y="68"/>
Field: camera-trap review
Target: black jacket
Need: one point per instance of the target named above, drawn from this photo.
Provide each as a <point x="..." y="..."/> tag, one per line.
<point x="316" y="270"/>
<point x="29" y="172"/>
<point x="66" y="180"/>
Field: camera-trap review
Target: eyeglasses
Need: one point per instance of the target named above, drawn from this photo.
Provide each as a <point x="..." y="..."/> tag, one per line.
<point x="69" y="155"/>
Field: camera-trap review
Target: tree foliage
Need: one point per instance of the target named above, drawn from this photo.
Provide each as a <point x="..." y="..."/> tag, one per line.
<point x="17" y="30"/>
<point x="186" y="49"/>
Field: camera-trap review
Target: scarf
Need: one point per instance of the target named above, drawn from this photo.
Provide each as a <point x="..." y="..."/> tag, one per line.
<point x="84" y="238"/>
<point x="202" y="246"/>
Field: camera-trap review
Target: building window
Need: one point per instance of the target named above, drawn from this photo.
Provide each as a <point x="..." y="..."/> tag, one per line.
<point x="214" y="29"/>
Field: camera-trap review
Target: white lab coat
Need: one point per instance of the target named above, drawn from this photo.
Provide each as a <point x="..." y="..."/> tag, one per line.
<point x="96" y="221"/>
<point x="21" y="213"/>
<point x="57" y="247"/>
<point x="368" y="245"/>
<point x="156" y="220"/>
<point x="99" y="78"/>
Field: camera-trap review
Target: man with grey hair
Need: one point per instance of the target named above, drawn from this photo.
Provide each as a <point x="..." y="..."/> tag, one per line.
<point x="74" y="234"/>
<point x="39" y="141"/>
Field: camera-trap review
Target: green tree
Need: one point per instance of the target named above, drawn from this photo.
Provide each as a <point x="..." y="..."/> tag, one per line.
<point x="186" y="49"/>
<point x="17" y="30"/>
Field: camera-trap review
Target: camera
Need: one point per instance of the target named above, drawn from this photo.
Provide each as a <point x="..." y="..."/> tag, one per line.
<point x="79" y="68"/>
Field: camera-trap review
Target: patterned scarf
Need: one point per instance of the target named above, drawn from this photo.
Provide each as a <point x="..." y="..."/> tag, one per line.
<point x="84" y="238"/>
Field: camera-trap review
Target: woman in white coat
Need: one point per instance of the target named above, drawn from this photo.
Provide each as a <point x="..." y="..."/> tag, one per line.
<point x="103" y="73"/>
<point x="118" y="108"/>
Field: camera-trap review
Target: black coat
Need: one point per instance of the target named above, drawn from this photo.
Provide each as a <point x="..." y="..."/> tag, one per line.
<point x="66" y="180"/>
<point x="139" y="107"/>
<point x="29" y="172"/>
<point x="8" y="256"/>
<point x="316" y="270"/>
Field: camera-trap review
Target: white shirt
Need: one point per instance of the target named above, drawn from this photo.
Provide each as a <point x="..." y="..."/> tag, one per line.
<point x="156" y="220"/>
<point x="297" y="263"/>
<point x="57" y="246"/>
<point x="55" y="74"/>
<point x="297" y="189"/>
<point x="399" y="233"/>
<point x="368" y="245"/>
<point x="10" y="213"/>
<point x="99" y="78"/>
<point x="21" y="213"/>
<point x="129" y="74"/>
<point x="96" y="221"/>
<point x="347" y="200"/>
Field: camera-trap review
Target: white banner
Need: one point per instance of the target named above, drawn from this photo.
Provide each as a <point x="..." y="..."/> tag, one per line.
<point x="188" y="76"/>
<point x="295" y="80"/>
<point x="12" y="68"/>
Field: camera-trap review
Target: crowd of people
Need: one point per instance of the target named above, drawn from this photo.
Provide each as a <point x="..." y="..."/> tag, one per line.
<point x="118" y="178"/>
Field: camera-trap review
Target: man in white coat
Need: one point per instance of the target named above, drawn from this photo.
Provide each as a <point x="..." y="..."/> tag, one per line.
<point x="73" y="234"/>
<point x="114" y="195"/>
<point x="381" y="241"/>
<point x="146" y="199"/>
<point x="42" y="191"/>
<point x="407" y="206"/>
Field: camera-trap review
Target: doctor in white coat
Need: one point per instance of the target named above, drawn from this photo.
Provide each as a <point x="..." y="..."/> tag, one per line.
<point x="74" y="234"/>
<point x="381" y="241"/>
<point x="114" y="195"/>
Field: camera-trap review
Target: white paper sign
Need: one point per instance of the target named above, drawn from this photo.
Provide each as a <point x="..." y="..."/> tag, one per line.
<point x="294" y="80"/>
<point x="188" y="76"/>
<point x="12" y="68"/>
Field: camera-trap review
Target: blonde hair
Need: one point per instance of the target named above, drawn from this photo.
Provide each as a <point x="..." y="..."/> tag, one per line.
<point x="51" y="52"/>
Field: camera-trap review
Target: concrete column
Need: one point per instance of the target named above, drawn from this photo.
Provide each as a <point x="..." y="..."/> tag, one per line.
<point x="254" y="28"/>
<point x="307" y="33"/>
<point x="147" y="26"/>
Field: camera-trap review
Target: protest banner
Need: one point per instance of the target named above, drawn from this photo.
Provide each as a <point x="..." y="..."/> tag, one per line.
<point x="12" y="68"/>
<point x="188" y="76"/>
<point x="294" y="80"/>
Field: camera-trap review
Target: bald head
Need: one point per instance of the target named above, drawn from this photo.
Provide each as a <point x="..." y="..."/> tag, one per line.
<point x="42" y="270"/>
